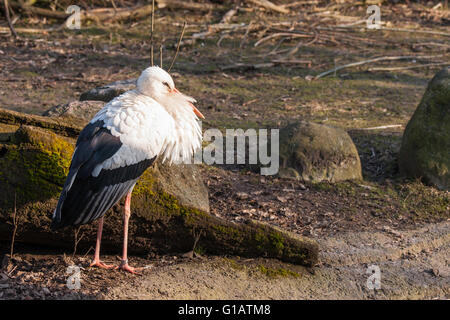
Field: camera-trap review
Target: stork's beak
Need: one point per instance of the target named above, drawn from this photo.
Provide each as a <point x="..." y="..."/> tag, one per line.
<point x="196" y="111"/>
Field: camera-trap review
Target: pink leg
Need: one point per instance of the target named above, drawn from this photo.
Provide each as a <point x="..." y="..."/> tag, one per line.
<point x="126" y="216"/>
<point x="97" y="262"/>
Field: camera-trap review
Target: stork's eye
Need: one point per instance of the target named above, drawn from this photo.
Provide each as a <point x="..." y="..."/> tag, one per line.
<point x="166" y="84"/>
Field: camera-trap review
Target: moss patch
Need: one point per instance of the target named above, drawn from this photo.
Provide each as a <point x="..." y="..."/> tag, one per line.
<point x="34" y="167"/>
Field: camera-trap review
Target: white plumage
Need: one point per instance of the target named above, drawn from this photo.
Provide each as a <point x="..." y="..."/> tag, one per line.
<point x="148" y="129"/>
<point x="122" y="140"/>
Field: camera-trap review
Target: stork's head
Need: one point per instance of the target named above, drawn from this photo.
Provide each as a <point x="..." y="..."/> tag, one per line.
<point x="158" y="84"/>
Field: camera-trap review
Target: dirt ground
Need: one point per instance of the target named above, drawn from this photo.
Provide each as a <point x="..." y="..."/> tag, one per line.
<point x="400" y="225"/>
<point x="413" y="264"/>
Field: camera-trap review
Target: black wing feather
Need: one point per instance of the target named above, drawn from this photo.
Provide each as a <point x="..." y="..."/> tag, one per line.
<point x="85" y="198"/>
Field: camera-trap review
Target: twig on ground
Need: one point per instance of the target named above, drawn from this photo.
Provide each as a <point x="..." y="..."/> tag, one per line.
<point x="115" y="14"/>
<point x="87" y="252"/>
<point x="213" y="29"/>
<point x="39" y="11"/>
<point x="244" y="38"/>
<point x="437" y="44"/>
<point x="178" y="47"/>
<point x="8" y="18"/>
<point x="248" y="66"/>
<point x="114" y="4"/>
<point x="355" y="23"/>
<point x="410" y="67"/>
<point x="269" y="5"/>
<point x="391" y="58"/>
<point x="225" y="35"/>
<point x="12" y="270"/>
<point x="76" y="240"/>
<point x="197" y="238"/>
<point x="190" y="254"/>
<point x="292" y="61"/>
<point x="352" y="26"/>
<point x="282" y="34"/>
<point x="15" y="225"/>
<point x="381" y="127"/>
<point x="300" y="3"/>
<point x="417" y="31"/>
<point x="228" y="15"/>
<point x="179" y="4"/>
<point x="274" y="50"/>
<point x="301" y="44"/>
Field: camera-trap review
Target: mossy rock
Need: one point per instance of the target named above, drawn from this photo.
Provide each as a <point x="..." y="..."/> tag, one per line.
<point x="425" y="150"/>
<point x="108" y="92"/>
<point x="61" y="126"/>
<point x="76" y="109"/>
<point x="169" y="206"/>
<point x="319" y="153"/>
<point x="33" y="165"/>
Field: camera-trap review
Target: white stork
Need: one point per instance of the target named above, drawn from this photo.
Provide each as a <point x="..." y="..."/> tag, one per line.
<point x="122" y="140"/>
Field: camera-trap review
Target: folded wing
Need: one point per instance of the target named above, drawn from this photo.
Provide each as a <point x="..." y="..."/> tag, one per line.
<point x="87" y="194"/>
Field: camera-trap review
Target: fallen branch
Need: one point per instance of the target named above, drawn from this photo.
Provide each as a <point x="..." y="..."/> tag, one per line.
<point x="410" y="67"/>
<point x="178" y="4"/>
<point x="381" y="127"/>
<point x="244" y="38"/>
<point x="282" y="34"/>
<point x="370" y="61"/>
<point x="100" y="14"/>
<point x="355" y="23"/>
<point x="272" y="63"/>
<point x="248" y="66"/>
<point x="112" y="15"/>
<point x="417" y="31"/>
<point x="300" y="3"/>
<point x="301" y="44"/>
<point x="26" y="30"/>
<point x="39" y="11"/>
<point x="115" y="14"/>
<point x="213" y="29"/>
<point x="431" y="44"/>
<point x="228" y="15"/>
<point x="269" y="5"/>
<point x="292" y="61"/>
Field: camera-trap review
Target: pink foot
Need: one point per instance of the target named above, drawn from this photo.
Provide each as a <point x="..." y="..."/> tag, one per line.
<point x="100" y="264"/>
<point x="124" y="266"/>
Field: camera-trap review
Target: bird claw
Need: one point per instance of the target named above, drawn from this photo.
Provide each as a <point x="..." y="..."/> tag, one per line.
<point x="100" y="264"/>
<point x="125" y="267"/>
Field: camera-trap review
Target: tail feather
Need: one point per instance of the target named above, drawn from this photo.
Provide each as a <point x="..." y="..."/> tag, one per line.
<point x="80" y="206"/>
<point x="85" y="199"/>
<point x="56" y="220"/>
